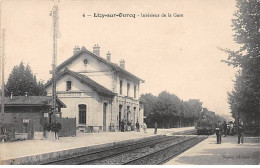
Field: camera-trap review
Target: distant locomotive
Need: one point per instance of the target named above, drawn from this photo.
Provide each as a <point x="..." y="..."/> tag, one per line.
<point x="206" y="126"/>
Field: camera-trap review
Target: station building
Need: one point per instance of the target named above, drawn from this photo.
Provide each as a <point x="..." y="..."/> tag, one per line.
<point x="97" y="92"/>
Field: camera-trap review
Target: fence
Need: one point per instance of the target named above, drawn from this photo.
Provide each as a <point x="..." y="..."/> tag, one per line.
<point x="68" y="127"/>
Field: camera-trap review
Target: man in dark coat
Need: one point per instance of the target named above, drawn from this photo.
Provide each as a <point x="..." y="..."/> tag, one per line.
<point x="137" y="126"/>
<point x="240" y="131"/>
<point x="219" y="132"/>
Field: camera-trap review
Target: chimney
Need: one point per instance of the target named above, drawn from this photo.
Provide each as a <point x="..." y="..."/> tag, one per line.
<point x="122" y="63"/>
<point x="96" y="50"/>
<point x="108" y="56"/>
<point x="76" y="49"/>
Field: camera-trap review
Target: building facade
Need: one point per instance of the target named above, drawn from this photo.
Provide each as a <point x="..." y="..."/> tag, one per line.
<point x="97" y="92"/>
<point x="29" y="114"/>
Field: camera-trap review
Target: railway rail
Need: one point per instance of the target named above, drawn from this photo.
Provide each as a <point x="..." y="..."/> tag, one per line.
<point x="163" y="155"/>
<point x="140" y="152"/>
<point x="98" y="155"/>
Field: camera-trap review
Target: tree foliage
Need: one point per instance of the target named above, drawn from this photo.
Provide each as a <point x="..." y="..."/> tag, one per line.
<point x="244" y="100"/>
<point x="22" y="80"/>
<point x="149" y="100"/>
<point x="168" y="110"/>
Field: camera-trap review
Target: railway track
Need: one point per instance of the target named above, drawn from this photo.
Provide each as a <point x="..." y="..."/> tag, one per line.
<point x="141" y="152"/>
<point x="98" y="155"/>
<point x="163" y="155"/>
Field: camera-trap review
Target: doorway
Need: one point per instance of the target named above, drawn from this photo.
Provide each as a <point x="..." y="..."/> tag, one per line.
<point x="104" y="116"/>
<point x="120" y="113"/>
<point x="128" y="115"/>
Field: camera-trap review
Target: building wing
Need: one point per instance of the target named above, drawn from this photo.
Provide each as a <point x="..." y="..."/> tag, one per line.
<point x="110" y="64"/>
<point x="84" y="79"/>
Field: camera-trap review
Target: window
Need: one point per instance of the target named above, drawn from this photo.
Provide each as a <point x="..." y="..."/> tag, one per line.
<point x="121" y="85"/>
<point x="128" y="88"/>
<point x="68" y="84"/>
<point x="82" y="114"/>
<point x="134" y="91"/>
<point x="85" y="61"/>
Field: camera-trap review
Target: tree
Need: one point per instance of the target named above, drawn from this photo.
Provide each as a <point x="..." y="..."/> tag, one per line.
<point x="196" y="107"/>
<point x="149" y="100"/>
<point x="191" y="111"/>
<point x="22" y="80"/>
<point x="168" y="110"/>
<point x="244" y="100"/>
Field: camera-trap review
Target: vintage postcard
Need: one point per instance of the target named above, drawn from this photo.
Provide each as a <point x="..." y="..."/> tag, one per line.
<point x="130" y="82"/>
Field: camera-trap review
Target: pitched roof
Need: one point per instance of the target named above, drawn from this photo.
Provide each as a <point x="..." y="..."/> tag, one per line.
<point x="97" y="87"/>
<point x="113" y="65"/>
<point x="31" y="101"/>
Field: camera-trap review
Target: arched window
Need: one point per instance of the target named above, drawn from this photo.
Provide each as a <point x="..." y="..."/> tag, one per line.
<point x="82" y="113"/>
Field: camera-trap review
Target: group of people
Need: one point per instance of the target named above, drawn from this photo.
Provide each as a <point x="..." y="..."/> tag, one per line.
<point x="124" y="127"/>
<point x="229" y="129"/>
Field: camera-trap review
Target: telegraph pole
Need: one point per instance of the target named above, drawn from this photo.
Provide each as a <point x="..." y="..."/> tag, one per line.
<point x="55" y="18"/>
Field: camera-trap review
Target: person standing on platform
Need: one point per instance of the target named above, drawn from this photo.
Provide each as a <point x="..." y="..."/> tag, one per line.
<point x="137" y="126"/>
<point x="240" y="131"/>
<point x="155" y="128"/>
<point x="219" y="132"/>
<point x="145" y="128"/>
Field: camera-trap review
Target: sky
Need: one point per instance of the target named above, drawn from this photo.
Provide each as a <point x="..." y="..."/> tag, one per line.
<point x="176" y="54"/>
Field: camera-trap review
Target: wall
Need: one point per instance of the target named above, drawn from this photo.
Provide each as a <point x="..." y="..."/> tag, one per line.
<point x="17" y="114"/>
<point x="124" y="87"/>
<point x="76" y="85"/>
<point x="98" y="71"/>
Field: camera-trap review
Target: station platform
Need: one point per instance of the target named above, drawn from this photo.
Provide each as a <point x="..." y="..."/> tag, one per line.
<point x="21" y="152"/>
<point x="227" y="153"/>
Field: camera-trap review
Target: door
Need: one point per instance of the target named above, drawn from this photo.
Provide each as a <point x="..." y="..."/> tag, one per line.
<point x="104" y="116"/>
<point x="119" y="115"/>
<point x="134" y="116"/>
<point x="82" y="114"/>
